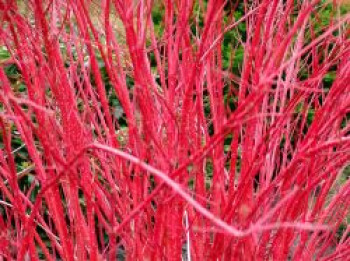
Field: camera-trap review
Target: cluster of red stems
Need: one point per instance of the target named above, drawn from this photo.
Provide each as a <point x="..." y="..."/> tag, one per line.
<point x="257" y="176"/>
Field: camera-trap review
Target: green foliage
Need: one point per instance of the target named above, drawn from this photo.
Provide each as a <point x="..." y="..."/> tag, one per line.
<point x="157" y="18"/>
<point x="4" y="53"/>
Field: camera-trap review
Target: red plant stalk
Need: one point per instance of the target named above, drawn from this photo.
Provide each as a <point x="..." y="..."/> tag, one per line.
<point x="140" y="138"/>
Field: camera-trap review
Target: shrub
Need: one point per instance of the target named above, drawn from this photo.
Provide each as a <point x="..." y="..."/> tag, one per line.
<point x="158" y="130"/>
